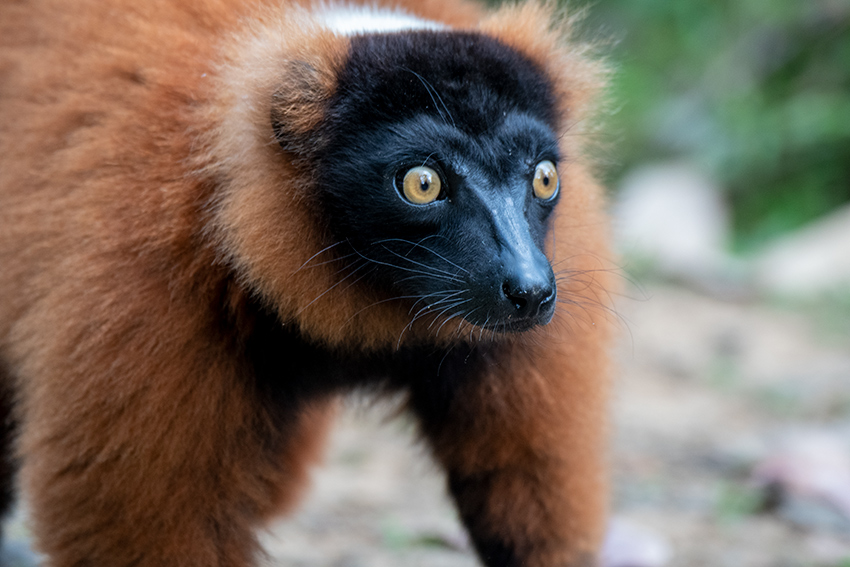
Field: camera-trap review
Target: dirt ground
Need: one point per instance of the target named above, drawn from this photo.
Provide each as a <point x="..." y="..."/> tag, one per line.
<point x="706" y="390"/>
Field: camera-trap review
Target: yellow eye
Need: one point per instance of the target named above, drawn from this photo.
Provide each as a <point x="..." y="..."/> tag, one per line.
<point x="421" y="185"/>
<point x="545" y="180"/>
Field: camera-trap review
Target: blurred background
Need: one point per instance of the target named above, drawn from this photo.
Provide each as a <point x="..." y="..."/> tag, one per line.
<point x="730" y="183"/>
<point x="726" y="147"/>
<point x="753" y="92"/>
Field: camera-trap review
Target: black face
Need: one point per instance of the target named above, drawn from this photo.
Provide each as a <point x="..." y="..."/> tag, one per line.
<point x="440" y="176"/>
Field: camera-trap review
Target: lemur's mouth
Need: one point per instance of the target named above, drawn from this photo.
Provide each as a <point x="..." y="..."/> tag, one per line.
<point x="521" y="323"/>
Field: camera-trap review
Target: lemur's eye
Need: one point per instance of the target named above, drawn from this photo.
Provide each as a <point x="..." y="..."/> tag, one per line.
<point x="421" y="185"/>
<point x="546" y="182"/>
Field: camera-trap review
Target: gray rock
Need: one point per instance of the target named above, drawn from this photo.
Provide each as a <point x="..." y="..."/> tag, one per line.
<point x="673" y="216"/>
<point x="810" y="261"/>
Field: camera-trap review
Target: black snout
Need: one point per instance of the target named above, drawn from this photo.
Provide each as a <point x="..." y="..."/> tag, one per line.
<point x="528" y="301"/>
<point x="529" y="289"/>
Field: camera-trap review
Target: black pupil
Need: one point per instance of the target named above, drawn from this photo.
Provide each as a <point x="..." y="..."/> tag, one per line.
<point x="545" y="180"/>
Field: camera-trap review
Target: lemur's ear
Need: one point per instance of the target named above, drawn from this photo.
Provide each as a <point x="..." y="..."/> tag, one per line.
<point x="299" y="105"/>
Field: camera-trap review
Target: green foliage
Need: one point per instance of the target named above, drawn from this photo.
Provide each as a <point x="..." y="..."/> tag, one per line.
<point x="755" y="91"/>
<point x="736" y="501"/>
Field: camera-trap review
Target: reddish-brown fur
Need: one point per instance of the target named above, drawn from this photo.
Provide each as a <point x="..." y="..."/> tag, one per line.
<point x="137" y="171"/>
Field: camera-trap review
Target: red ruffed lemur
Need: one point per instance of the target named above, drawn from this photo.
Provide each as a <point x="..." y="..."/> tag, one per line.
<point x="218" y="216"/>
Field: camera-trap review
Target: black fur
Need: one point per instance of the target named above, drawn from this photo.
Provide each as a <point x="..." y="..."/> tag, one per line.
<point x="474" y="80"/>
<point x="287" y="369"/>
<point x="471" y="494"/>
<point x="290" y="372"/>
<point x="8" y="462"/>
<point x="482" y="116"/>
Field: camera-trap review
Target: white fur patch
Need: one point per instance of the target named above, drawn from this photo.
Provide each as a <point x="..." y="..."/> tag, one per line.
<point x="353" y="20"/>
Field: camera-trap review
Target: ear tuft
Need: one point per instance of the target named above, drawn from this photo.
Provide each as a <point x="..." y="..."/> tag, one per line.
<point x="298" y="107"/>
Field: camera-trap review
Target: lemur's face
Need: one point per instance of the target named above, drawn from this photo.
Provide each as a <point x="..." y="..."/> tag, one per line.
<point x="440" y="176"/>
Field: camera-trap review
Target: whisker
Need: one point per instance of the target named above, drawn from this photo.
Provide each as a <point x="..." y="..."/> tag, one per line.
<point x="442" y="360"/>
<point x="387" y="300"/>
<point x="472" y="326"/>
<point x="420" y="264"/>
<point x="325" y="262"/>
<point x="317" y="298"/>
<point x="450" y="295"/>
<point x="424" y="310"/>
<point x="585" y="302"/>
<point x="432" y="92"/>
<point x="424" y="161"/>
<point x="419" y="272"/>
<point x="447" y="309"/>
<point x="460" y="324"/>
<point x="452" y="316"/>
<point x="420" y="245"/>
<point x="325" y="249"/>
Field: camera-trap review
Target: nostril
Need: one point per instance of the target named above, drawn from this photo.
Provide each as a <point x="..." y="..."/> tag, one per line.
<point x="529" y="300"/>
<point x="519" y="302"/>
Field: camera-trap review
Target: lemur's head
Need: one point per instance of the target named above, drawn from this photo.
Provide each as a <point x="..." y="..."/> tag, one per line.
<point x="432" y="158"/>
<point x="439" y="175"/>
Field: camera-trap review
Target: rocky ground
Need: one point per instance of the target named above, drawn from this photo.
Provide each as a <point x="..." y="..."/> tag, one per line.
<point x="715" y="400"/>
<point x="730" y="448"/>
